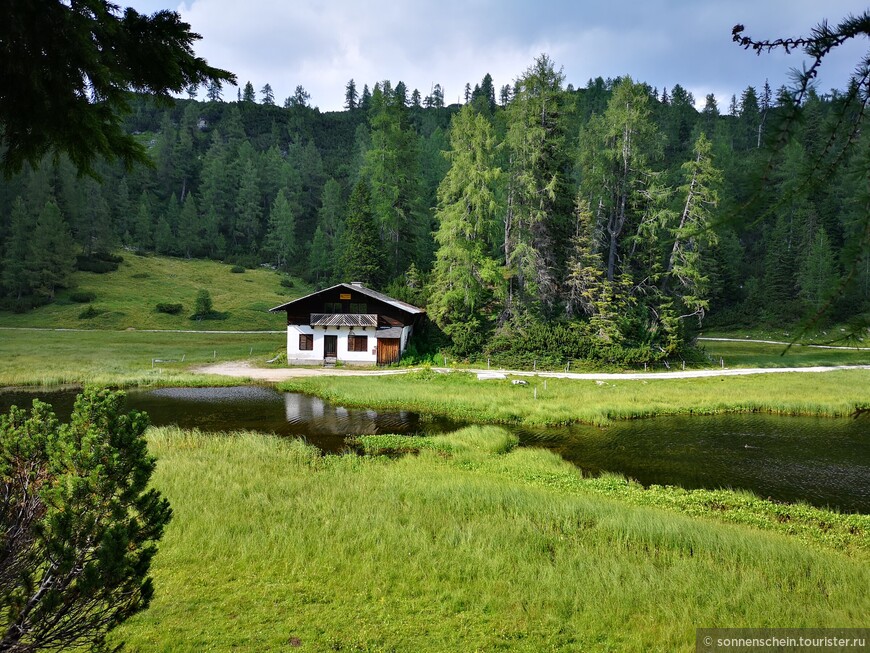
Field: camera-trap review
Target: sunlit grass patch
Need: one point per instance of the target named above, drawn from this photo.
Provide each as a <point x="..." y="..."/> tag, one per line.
<point x="562" y="401"/>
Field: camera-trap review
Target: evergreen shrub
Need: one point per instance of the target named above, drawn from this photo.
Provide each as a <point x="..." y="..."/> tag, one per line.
<point x="170" y="309"/>
<point x="81" y="297"/>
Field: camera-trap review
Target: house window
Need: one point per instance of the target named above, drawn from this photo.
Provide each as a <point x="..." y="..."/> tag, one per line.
<point x="306" y="342"/>
<point x="332" y="307"/>
<point x="357" y="343"/>
<point x="358" y="308"/>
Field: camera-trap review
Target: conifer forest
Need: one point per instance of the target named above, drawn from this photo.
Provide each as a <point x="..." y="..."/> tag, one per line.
<point x="610" y="222"/>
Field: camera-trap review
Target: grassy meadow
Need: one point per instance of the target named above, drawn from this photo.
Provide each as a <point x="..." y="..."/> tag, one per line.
<point x="45" y="357"/>
<point x="127" y="298"/>
<point x="759" y="354"/>
<point x="561" y="401"/>
<point x="468" y="545"/>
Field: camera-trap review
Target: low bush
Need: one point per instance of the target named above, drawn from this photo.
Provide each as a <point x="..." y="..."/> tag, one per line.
<point x="81" y="297"/>
<point x="237" y="269"/>
<point x="287" y="283"/>
<point x="90" y="312"/>
<point x="170" y="309"/>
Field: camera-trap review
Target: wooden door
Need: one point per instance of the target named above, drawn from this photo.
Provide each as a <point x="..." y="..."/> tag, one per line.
<point x="330" y="346"/>
<point x="388" y="350"/>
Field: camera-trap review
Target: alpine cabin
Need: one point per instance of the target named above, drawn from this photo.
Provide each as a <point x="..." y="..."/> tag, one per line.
<point x="349" y="323"/>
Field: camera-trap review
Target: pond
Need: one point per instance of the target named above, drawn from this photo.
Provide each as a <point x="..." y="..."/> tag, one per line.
<point x="818" y="460"/>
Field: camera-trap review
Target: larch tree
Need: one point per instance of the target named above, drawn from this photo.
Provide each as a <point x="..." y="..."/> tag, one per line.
<point x="267" y="95"/>
<point x="616" y="150"/>
<point x="466" y="276"/>
<point x="687" y="269"/>
<point x="538" y="212"/>
<point x="96" y="55"/>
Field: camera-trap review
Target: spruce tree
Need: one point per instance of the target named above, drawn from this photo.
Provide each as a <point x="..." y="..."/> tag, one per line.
<point x="351" y="97"/>
<point x="817" y="275"/>
<point x="189" y="228"/>
<point x="281" y="243"/>
<point x="16" y="278"/>
<point x="51" y="260"/>
<point x="248" y="93"/>
<point x="362" y="251"/>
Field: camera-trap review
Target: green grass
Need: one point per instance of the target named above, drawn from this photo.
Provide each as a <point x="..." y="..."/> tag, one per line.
<point x="757" y="354"/>
<point x="461" y="549"/>
<point x="462" y="396"/>
<point x="124" y="357"/>
<point x="129" y="296"/>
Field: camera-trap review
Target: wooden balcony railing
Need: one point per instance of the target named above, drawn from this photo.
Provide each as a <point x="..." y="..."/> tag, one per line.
<point x="344" y="319"/>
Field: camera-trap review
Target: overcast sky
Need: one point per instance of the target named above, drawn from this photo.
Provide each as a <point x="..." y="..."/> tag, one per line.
<point x="321" y="45"/>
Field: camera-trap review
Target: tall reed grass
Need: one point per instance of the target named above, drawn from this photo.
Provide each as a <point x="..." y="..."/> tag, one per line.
<point x="273" y="546"/>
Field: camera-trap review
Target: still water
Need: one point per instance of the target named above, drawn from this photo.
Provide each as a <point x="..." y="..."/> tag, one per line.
<point x="820" y="461"/>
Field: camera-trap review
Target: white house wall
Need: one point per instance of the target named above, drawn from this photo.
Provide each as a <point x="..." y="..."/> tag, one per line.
<point x="315" y="356"/>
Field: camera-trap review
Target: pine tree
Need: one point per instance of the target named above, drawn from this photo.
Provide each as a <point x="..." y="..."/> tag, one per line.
<point x="584" y="280"/>
<point x="299" y="98"/>
<point x="327" y="235"/>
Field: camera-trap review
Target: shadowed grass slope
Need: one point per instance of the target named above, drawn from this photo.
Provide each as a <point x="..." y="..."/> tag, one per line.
<point x="272" y="545"/>
<point x="462" y="396"/>
<point x="128" y="297"/>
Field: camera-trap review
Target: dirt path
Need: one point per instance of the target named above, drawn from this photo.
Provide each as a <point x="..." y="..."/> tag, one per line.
<point x="247" y="371"/>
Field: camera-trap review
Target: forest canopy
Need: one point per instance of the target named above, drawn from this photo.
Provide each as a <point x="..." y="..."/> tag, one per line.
<point x="606" y="222"/>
